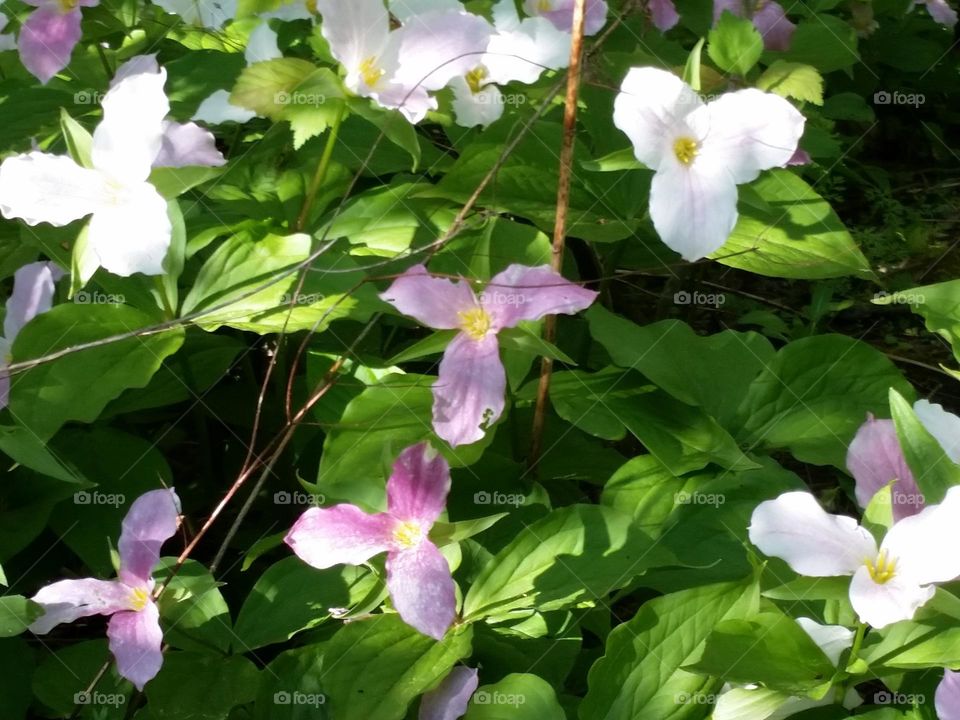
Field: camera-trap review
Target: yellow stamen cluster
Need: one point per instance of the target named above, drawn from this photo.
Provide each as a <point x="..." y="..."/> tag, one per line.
<point x="369" y="71"/>
<point x="883" y="569"/>
<point x="686" y="149"/>
<point x="139" y="599"/>
<point x="475" y="323"/>
<point x="476" y="79"/>
<point x="68" y="5"/>
<point x="408" y="534"/>
<point x="544" y="6"/>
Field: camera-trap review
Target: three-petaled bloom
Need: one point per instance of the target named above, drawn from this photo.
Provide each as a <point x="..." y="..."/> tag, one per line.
<point x="134" y="627"/>
<point x="469" y="393"/>
<point x="890" y="583"/>
<point x="418" y="576"/>
<point x="947" y="698"/>
<point x="129" y="230"/>
<point x="560" y="13"/>
<point x="49" y="35"/>
<point x="449" y="699"/>
<point x="701" y="152"/>
<point x="875" y="458"/>
<point x="33" y="288"/>
<point x="768" y="18"/>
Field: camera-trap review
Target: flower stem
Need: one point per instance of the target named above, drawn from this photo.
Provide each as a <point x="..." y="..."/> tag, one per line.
<point x="321" y="174"/>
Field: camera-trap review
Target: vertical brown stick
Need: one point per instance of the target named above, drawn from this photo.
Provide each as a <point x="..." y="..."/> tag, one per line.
<point x="560" y="222"/>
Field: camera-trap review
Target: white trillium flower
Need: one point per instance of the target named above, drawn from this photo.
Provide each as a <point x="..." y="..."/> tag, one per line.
<point x="890" y="583"/>
<point x="701" y="151"/>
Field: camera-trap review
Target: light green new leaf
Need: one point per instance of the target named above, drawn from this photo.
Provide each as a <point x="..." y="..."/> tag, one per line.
<point x="735" y="44"/>
<point x="933" y="470"/>
<point x="938" y="305"/>
<point x="519" y="696"/>
<point x="793" y="80"/>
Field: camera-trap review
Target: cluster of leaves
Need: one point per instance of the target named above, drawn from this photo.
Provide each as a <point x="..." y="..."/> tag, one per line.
<point x="611" y="579"/>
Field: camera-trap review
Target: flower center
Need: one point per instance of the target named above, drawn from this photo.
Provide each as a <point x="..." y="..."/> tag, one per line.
<point x="68" y="5"/>
<point x="312" y="7"/>
<point x="475" y="323"/>
<point x="408" y="534"/>
<point x="686" y="149"/>
<point x="883" y="569"/>
<point x="139" y="599"/>
<point x="369" y="71"/>
<point x="475" y="78"/>
<point x="544" y="6"/>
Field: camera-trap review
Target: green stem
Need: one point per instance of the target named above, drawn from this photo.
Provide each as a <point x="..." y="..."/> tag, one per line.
<point x="321" y="174"/>
<point x="168" y="312"/>
<point x="854" y="656"/>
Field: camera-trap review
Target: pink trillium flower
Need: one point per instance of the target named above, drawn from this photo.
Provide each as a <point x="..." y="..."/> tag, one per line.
<point x="33" y="288"/>
<point x="450" y="699"/>
<point x="560" y="13"/>
<point x="49" y="35"/>
<point x="947" y="698"/>
<point x="663" y="13"/>
<point x="134" y="626"/>
<point x="469" y="393"/>
<point x="940" y="11"/>
<point x="418" y="576"/>
<point x="890" y="583"/>
<point x="769" y="18"/>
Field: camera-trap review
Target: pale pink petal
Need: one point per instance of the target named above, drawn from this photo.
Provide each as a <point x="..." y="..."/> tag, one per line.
<point x="418" y="486"/>
<point x="185" y="144"/>
<point x="356" y="31"/>
<point x="431" y="301"/>
<point x="560" y="13"/>
<point x="948" y="696"/>
<point x="664" y="14"/>
<point x="875" y="459"/>
<point x="436" y="46"/>
<point x="800" y="157"/>
<point x="68" y="600"/>
<point x="135" y="641"/>
<point x="772" y="23"/>
<point x="795" y="528"/>
<point x="47" y="39"/>
<point x="530" y="293"/>
<point x="342" y="534"/>
<point x="469" y="391"/>
<point x="449" y="700"/>
<point x="422" y="589"/>
<point x="941" y="11"/>
<point x="412" y="103"/>
<point x="151" y="521"/>
<point x="33" y="288"/>
<point x="882" y="604"/>
<point x="733" y="6"/>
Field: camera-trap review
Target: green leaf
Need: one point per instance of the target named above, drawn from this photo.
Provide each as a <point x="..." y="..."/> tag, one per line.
<point x="933" y="470"/>
<point x="799" y="236"/>
<point x="445" y="533"/>
<point x="395" y="127"/>
<point x="173" y="182"/>
<point x="938" y="305"/>
<point x="769" y="648"/>
<point x="691" y="71"/>
<point x="616" y="161"/>
<point x="16" y="673"/>
<point x="79" y="385"/>
<point x="824" y="41"/>
<point x="291" y="688"/>
<point x="521" y="339"/>
<point x="193" y="612"/>
<point x="433" y="344"/>
<point x="380" y="665"/>
<point x="26" y="448"/>
<point x="575" y="554"/>
<point x="519" y="696"/>
<point x="793" y="80"/>
<point x="62" y="675"/>
<point x="79" y="141"/>
<point x="930" y="642"/>
<point x="201" y="687"/>
<point x="584" y="399"/>
<point x="16" y="613"/>
<point x="735" y="44"/>
<point x="641" y="675"/>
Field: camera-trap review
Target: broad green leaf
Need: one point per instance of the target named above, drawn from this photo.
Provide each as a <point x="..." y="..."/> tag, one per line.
<point x="394" y="126"/>
<point x="584" y="399"/>
<point x="735" y="45"/>
<point x="23" y="446"/>
<point x="803" y="589"/>
<point x="433" y="344"/>
<point x="193" y="612"/>
<point x="381" y="664"/>
<point x="930" y="642"/>
<point x="79" y="385"/>
<point x="16" y="673"/>
<point x="291" y="687"/>
<point x="445" y="533"/>
<point x="793" y="80"/>
<point x="62" y="676"/>
<point x="824" y="41"/>
<point x="641" y="675"/>
<point x="933" y="470"/>
<point x="753" y="703"/>
<point x="800" y="236"/>
<point x="190" y="686"/>
<point x="174" y="182"/>
<point x="78" y="139"/>
<point x="16" y="614"/>
<point x="938" y="305"/>
<point x="519" y="696"/>
<point x="574" y="554"/>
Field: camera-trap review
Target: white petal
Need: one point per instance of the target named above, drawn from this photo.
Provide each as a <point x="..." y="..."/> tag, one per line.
<point x="133" y="234"/>
<point x="748" y="131"/>
<point x="925" y="546"/>
<point x="128" y="139"/>
<point x="356" y="31"/>
<point x="37" y="187"/>
<point x="480" y="108"/>
<point x="137" y="65"/>
<point x="218" y="109"/>
<point x="880" y="605"/>
<point x="650" y="109"/>
<point x="413" y="103"/>
<point x="943" y="425"/>
<point x="832" y="639"/>
<point x="814" y="543"/>
<point x="405" y="10"/>
<point x="523" y="50"/>
<point x="693" y="208"/>
<point x="262" y="45"/>
<point x="437" y="46"/>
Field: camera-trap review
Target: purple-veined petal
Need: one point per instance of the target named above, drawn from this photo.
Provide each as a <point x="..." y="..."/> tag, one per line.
<point x="135" y="641"/>
<point x="882" y="604"/>
<point x="941" y="11"/>
<point x="795" y="528"/>
<point x="422" y="589"/>
<point x="68" y="600"/>
<point x="37" y="187"/>
<point x="358" y="33"/>
<point x="47" y="39"/>
<point x="664" y="14"/>
<point x="875" y="459"/>
<point x="342" y="534"/>
<point x="418" y="486"/>
<point x="151" y="521"/>
<point x="943" y="425"/>
<point x="924" y="545"/>
<point x="437" y="46"/>
<point x="747" y="131"/>
<point x="560" y="13"/>
<point x="832" y="639"/>
<point x="449" y="699"/>
<point x="33" y="288"/>
<point x="469" y="391"/>
<point x="650" y="109"/>
<point x="128" y="139"/>
<point x="133" y="234"/>
<point x="217" y="109"/>
<point x="529" y="293"/>
<point x="431" y="301"/>
<point x="947" y="698"/>
<point x="693" y="207"/>
<point x="772" y="23"/>
<point x="186" y="144"/>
